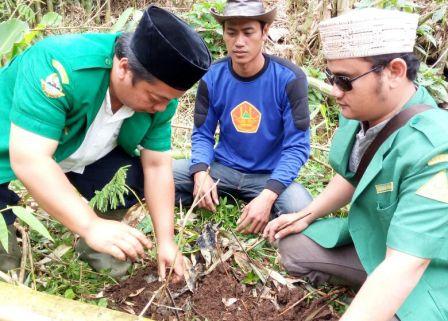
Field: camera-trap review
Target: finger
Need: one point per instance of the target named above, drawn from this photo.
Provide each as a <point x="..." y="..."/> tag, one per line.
<point x="254" y="226"/>
<point x="215" y="195"/>
<point x="116" y="252"/>
<point x="243" y="215"/>
<point x="209" y="202"/>
<point x="162" y="270"/>
<point x="266" y="230"/>
<point x="244" y="223"/>
<point x="127" y="249"/>
<point x="135" y="243"/>
<point x="140" y="237"/>
<point x="260" y="226"/>
<point x="294" y="228"/>
<point x="179" y="268"/>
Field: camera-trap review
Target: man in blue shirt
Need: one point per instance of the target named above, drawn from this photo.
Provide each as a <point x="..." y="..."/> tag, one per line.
<point x="261" y="105"/>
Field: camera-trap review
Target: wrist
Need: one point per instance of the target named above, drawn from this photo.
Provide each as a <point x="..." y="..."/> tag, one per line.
<point x="199" y="175"/>
<point x="269" y="195"/>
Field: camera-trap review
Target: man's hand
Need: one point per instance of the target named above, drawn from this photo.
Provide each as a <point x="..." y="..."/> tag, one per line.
<point x="205" y="187"/>
<point x="169" y="255"/>
<point x="117" y="239"/>
<point x="286" y="224"/>
<point x="256" y="213"/>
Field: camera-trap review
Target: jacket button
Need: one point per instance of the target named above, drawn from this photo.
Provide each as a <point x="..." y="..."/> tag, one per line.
<point x="108" y="61"/>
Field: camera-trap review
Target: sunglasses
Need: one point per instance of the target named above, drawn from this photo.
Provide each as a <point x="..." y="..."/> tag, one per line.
<point x="345" y="83"/>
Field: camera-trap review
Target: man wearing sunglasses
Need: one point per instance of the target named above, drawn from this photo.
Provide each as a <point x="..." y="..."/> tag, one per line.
<point x="393" y="244"/>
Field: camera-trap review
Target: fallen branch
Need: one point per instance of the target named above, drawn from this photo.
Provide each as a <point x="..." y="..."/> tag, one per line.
<point x="296" y="303"/>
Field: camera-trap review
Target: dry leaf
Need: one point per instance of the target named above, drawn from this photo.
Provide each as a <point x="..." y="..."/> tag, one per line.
<point x="229" y="302"/>
<point x="133" y="294"/>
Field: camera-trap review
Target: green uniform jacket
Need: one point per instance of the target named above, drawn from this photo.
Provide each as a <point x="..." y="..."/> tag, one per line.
<point x="55" y="89"/>
<point x="401" y="202"/>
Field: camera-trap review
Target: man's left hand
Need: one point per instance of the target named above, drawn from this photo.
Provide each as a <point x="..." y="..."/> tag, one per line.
<point x="256" y="213"/>
<point x="169" y="255"/>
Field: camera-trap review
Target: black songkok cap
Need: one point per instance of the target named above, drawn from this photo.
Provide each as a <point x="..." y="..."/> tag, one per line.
<point x="170" y="49"/>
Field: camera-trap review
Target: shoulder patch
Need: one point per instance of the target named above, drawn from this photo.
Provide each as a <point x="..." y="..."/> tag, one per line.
<point x="61" y="71"/>
<point x="442" y="158"/>
<point x="436" y="188"/>
<point x="51" y="86"/>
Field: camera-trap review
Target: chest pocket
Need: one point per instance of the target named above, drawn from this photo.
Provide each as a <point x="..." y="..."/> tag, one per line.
<point x="387" y="201"/>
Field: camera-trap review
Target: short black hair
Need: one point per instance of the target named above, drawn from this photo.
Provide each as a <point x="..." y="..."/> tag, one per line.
<point x="123" y="50"/>
<point x="411" y="60"/>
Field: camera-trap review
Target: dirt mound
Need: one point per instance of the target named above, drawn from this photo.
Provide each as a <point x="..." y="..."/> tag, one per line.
<point x="218" y="296"/>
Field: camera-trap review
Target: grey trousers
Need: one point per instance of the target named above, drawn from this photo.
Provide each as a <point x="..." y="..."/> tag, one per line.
<point x="303" y="257"/>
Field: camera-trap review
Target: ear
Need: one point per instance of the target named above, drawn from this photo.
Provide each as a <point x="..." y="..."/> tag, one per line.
<point x="266" y="31"/>
<point x="122" y="68"/>
<point x="397" y="69"/>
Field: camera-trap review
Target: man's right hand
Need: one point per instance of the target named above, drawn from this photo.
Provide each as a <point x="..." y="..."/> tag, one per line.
<point x="117" y="239"/>
<point x="205" y="188"/>
<point x="286" y="224"/>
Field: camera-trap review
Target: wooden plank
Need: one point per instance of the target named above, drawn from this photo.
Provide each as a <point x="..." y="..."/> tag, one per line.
<point x="22" y="303"/>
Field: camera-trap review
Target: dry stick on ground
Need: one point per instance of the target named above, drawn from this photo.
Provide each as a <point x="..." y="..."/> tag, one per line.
<point x="172" y="302"/>
<point x="332" y="295"/>
<point x="155" y="293"/>
<point x="30" y="258"/>
<point x="296" y="303"/>
<point x="24" y="253"/>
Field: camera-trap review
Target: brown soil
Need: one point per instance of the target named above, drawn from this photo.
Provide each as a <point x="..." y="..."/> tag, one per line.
<point x="218" y="296"/>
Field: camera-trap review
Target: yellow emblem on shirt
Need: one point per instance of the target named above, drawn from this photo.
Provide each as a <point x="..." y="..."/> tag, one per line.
<point x="384" y="188"/>
<point x="51" y="86"/>
<point x="436" y="188"/>
<point x="246" y="118"/>
<point x="442" y="158"/>
<point x="61" y="71"/>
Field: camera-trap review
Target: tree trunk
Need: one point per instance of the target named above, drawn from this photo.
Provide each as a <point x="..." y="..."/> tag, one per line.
<point x="21" y="303"/>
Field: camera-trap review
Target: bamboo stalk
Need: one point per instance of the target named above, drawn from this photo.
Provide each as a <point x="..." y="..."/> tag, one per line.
<point x="38" y="9"/>
<point x="50" y="7"/>
<point x="97" y="15"/>
<point x="20" y="303"/>
<point x="108" y="11"/>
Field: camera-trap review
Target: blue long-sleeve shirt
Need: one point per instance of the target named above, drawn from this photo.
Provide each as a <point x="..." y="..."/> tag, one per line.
<point x="264" y="121"/>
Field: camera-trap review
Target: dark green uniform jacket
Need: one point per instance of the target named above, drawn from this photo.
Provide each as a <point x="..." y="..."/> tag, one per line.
<point x="401" y="202"/>
<point x="55" y="89"/>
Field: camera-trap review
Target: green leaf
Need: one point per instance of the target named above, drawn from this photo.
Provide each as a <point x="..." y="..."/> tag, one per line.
<point x="121" y="22"/>
<point x="51" y="19"/>
<point x="3" y="233"/>
<point x="69" y="294"/>
<point x="102" y="303"/>
<point x="145" y="226"/>
<point x="251" y="278"/>
<point x="27" y="216"/>
<point x="11" y="31"/>
<point x="439" y="14"/>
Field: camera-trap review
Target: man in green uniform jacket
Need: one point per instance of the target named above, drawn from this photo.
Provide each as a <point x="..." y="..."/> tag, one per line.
<point x="394" y="243"/>
<point x="75" y="108"/>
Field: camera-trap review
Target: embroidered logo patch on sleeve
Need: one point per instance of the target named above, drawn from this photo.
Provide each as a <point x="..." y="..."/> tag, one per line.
<point x="246" y="118"/>
<point x="436" y="188"/>
<point x="51" y="86"/>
